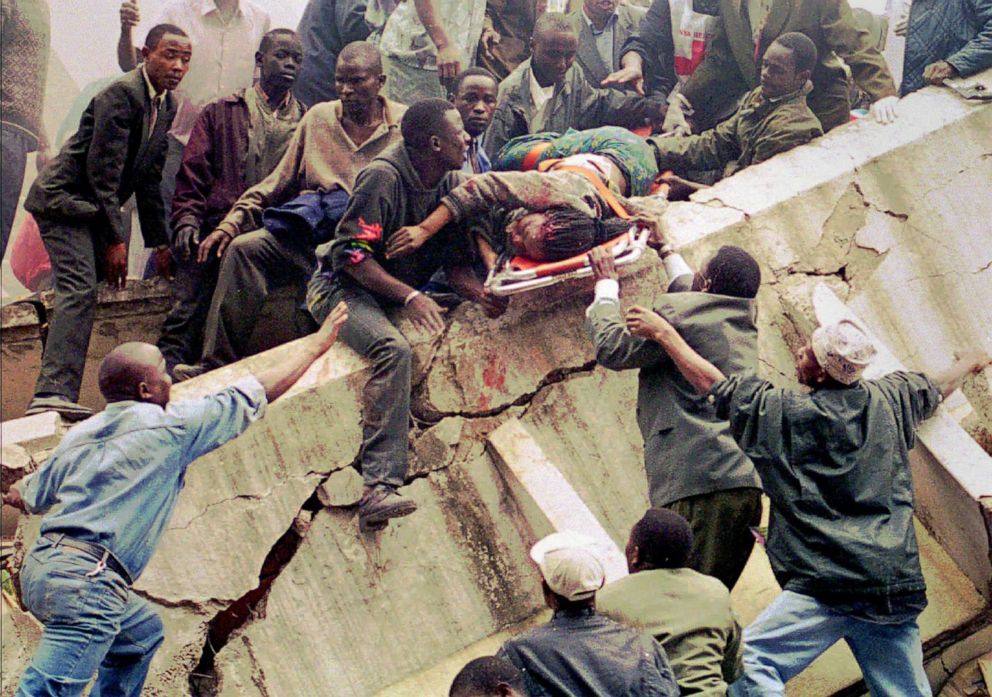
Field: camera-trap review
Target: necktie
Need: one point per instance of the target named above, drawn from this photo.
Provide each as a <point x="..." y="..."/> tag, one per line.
<point x="153" y="117"/>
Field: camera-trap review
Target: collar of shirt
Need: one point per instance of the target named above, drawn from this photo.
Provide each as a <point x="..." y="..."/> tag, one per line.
<point x="208" y="6"/>
<point x="610" y="23"/>
<point x="156" y="97"/>
<point x="265" y="97"/>
<point x="540" y="95"/>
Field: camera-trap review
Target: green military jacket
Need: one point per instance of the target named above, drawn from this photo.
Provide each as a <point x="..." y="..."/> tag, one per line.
<point x="689" y="614"/>
<point x="758" y="131"/>
<point x="687" y="450"/>
<point x="732" y="65"/>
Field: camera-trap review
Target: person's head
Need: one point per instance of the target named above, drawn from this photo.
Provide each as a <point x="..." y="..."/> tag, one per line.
<point x="167" y="53"/>
<point x="358" y="77"/>
<point x="279" y="58"/>
<point x="474" y="95"/>
<point x="559" y="233"/>
<point x="661" y="539"/>
<point x="787" y="64"/>
<point x="836" y="355"/>
<point x="488" y="676"/>
<point x="432" y="130"/>
<point x="599" y="11"/>
<point x="553" y="47"/>
<point x="571" y="570"/>
<point x="731" y="271"/>
<point x="135" y="370"/>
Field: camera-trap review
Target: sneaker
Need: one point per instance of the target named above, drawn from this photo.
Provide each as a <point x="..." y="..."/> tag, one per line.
<point x="379" y="504"/>
<point x="67" y="409"/>
<point x="184" y="371"/>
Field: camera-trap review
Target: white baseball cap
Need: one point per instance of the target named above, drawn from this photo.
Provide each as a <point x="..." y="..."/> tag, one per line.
<point x="569" y="564"/>
<point x="843" y="350"/>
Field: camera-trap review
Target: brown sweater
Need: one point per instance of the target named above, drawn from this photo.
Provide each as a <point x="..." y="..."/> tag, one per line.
<point x="320" y="157"/>
<point x="25" y="37"/>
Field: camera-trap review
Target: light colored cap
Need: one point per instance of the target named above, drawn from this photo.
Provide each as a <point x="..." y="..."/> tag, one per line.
<point x="843" y="350"/>
<point x="569" y="564"/>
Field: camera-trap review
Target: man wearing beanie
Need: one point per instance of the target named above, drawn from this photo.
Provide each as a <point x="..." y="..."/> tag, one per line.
<point x="581" y="653"/>
<point x="835" y="465"/>
<point x="687" y="612"/>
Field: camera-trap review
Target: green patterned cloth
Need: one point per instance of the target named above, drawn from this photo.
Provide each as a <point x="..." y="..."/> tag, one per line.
<point x="631" y="152"/>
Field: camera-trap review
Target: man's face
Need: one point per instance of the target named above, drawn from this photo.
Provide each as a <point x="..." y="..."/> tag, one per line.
<point x="279" y="64"/>
<point x="167" y="63"/>
<point x="600" y="10"/>
<point x="157" y="385"/>
<point x="357" y="85"/>
<point x="452" y="141"/>
<point x="554" y="53"/>
<point x="476" y="102"/>
<point x="808" y="370"/>
<point x="778" y="72"/>
<point x="525" y="235"/>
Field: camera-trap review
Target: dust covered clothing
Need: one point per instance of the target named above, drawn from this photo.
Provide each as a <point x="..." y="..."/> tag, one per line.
<point x="760" y="129"/>
<point x="500" y="194"/>
<point x="835" y="464"/>
<point x="388" y="195"/>
<point x="584" y="654"/>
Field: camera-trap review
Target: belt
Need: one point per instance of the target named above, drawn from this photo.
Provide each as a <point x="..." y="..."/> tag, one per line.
<point x="104" y="557"/>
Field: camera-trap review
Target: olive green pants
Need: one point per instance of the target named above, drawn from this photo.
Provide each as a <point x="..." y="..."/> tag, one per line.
<point x="721" y="529"/>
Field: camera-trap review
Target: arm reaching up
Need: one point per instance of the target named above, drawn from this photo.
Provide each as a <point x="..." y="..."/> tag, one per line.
<point x="698" y="371"/>
<point x="967" y="364"/>
<point x="279" y="378"/>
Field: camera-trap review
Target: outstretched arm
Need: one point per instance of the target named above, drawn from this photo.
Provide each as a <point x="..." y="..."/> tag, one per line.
<point x="279" y="377"/>
<point x="698" y="371"/>
<point x="968" y="364"/>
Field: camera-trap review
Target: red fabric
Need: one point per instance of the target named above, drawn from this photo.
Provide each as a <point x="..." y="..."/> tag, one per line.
<point x="28" y="257"/>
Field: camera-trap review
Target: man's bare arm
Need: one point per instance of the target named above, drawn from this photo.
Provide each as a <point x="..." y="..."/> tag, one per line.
<point x="424" y="312"/>
<point x="968" y="364"/>
<point x="127" y="54"/>
<point x="279" y="377"/>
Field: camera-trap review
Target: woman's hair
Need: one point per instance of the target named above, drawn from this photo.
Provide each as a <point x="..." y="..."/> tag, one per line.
<point x="566" y="232"/>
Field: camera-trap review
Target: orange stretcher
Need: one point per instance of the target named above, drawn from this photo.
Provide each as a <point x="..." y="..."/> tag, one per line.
<point x="519" y="274"/>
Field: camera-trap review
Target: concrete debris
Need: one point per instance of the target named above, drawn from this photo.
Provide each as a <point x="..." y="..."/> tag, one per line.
<point x="268" y="589"/>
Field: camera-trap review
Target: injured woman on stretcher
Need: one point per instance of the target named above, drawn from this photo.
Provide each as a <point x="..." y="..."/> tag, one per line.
<point x="571" y="207"/>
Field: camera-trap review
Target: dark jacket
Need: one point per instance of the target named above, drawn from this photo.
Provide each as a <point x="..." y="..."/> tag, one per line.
<point x="758" y="130"/>
<point x="588" y="58"/>
<point x="513" y="20"/>
<point x="326" y="27"/>
<point x="835" y="466"/>
<point x="574" y="104"/>
<point x="584" y="654"/>
<point x="688" y="451"/>
<point x="110" y="157"/>
<point x="213" y="172"/>
<point x="958" y="31"/>
<point x="653" y="41"/>
<point x="732" y="65"/>
<point x="388" y="194"/>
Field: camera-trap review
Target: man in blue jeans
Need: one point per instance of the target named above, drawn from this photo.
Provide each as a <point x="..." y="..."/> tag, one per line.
<point x="111" y="486"/>
<point x="835" y="465"/>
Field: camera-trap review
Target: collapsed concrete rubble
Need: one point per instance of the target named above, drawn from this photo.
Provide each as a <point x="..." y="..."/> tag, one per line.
<point x="267" y="588"/>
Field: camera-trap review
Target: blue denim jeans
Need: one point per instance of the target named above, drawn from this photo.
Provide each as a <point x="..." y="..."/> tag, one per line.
<point x="94" y="623"/>
<point x="796" y="628"/>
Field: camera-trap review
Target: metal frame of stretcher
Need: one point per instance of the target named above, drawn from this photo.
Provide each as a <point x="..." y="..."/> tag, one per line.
<point x="518" y="274"/>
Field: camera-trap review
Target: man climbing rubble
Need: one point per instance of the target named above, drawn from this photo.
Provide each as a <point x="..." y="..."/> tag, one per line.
<point x="111" y="486"/>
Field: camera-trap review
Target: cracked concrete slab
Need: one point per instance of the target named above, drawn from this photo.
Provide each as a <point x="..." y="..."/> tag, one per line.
<point x="860" y="209"/>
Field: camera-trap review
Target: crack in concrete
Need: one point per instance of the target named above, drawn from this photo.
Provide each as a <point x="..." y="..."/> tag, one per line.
<point x="242" y="497"/>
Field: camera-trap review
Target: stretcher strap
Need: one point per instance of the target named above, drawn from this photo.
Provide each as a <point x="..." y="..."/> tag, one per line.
<point x="602" y="188"/>
<point x="530" y="159"/>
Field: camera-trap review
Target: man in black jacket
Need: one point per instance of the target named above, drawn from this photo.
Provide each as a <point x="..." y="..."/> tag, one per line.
<point x="118" y="151"/>
<point x="400" y="187"/>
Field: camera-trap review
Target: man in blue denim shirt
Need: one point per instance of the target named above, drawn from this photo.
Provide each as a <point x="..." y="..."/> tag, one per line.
<point x="111" y="486"/>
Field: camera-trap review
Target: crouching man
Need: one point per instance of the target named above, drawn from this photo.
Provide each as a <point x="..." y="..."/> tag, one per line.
<point x="111" y="486"/>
